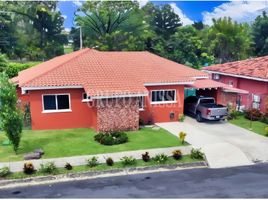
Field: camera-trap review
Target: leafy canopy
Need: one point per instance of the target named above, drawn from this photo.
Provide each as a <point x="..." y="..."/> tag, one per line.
<point x="228" y="40"/>
<point x="260" y="34"/>
<point x="10" y="115"/>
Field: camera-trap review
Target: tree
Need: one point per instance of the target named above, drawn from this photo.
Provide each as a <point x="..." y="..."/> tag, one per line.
<point x="47" y="23"/>
<point x="228" y="40"/>
<point x="186" y="47"/>
<point x="3" y="63"/>
<point x="10" y="115"/>
<point x="198" y="25"/>
<point x="111" y="25"/>
<point x="260" y="34"/>
<point x="163" y="19"/>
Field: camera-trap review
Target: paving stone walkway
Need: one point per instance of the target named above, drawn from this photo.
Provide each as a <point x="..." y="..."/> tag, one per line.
<point x="81" y="160"/>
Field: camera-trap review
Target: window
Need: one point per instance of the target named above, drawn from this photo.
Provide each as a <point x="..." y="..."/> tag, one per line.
<point x="86" y="98"/>
<point x="256" y="101"/>
<point x="56" y="102"/>
<point x="163" y="96"/>
<point x="216" y="76"/>
<point x="141" y="103"/>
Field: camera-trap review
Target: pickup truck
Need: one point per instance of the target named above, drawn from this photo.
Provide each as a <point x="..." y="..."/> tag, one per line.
<point x="204" y="108"/>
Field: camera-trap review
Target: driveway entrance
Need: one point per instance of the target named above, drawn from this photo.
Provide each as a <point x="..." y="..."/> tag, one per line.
<point x="224" y="144"/>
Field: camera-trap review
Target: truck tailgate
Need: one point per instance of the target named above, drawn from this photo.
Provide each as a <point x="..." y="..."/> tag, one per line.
<point x="218" y="111"/>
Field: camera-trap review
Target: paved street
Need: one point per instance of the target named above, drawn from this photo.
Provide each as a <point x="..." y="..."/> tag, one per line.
<point x="240" y="182"/>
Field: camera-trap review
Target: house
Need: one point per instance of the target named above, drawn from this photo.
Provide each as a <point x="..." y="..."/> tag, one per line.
<point x="106" y="90"/>
<point x="250" y="75"/>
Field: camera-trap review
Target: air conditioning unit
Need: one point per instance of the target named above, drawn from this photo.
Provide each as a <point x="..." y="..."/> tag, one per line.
<point x="216" y="76"/>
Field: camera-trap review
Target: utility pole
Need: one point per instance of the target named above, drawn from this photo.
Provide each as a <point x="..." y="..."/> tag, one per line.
<point x="81" y="39"/>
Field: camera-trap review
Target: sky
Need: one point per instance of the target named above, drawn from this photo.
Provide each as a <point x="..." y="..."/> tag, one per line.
<point x="190" y="11"/>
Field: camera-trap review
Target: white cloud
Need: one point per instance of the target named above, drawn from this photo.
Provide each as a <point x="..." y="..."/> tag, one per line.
<point x="67" y="29"/>
<point x="78" y="3"/>
<point x="142" y="3"/>
<point x="240" y="11"/>
<point x="64" y="16"/>
<point x="184" y="19"/>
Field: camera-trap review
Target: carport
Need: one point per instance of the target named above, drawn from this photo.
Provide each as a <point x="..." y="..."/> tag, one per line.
<point x="223" y="94"/>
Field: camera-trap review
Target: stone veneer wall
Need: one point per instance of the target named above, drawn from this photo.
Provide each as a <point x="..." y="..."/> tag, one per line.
<point x="118" y="114"/>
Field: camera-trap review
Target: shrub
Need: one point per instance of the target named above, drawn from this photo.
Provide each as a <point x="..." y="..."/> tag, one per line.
<point x="92" y="162"/>
<point x="177" y="154"/>
<point x="4" y="171"/>
<point x="28" y="168"/>
<point x="264" y="119"/>
<point x="182" y="137"/>
<point x="233" y="113"/>
<point x="10" y="114"/>
<point x="197" y="154"/>
<point x="266" y="131"/>
<point x="111" y="138"/>
<point x="128" y="160"/>
<point x="160" y="158"/>
<point x="145" y="157"/>
<point x="253" y="114"/>
<point x="109" y="161"/>
<point x="68" y="166"/>
<point x="181" y="118"/>
<point x="49" y="168"/>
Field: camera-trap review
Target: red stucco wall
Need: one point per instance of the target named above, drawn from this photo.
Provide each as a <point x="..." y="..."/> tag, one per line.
<point x="253" y="86"/>
<point x="84" y="115"/>
<point x="161" y="112"/>
<point x="81" y="116"/>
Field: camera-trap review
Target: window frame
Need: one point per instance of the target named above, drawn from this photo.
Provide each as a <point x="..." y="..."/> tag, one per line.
<point x="163" y="102"/>
<point x="143" y="103"/>
<point x="56" y="101"/>
<point x="86" y="100"/>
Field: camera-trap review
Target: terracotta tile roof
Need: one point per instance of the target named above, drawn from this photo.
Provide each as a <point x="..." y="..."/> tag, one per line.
<point x="254" y="67"/>
<point x="107" y="73"/>
<point x="208" y="83"/>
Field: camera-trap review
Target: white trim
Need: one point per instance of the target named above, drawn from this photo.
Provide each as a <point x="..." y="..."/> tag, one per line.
<point x="163" y="102"/>
<point x="23" y="89"/>
<point x="200" y="77"/>
<point x="143" y="103"/>
<point x="239" y="76"/>
<point x="56" y="110"/>
<point x="119" y="96"/>
<point x="86" y="100"/>
<point x="174" y="83"/>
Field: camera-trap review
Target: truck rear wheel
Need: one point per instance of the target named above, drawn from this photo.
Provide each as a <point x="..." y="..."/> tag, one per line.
<point x="199" y="117"/>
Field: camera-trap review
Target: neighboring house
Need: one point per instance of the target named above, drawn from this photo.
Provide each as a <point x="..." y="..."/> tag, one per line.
<point x="250" y="75"/>
<point x="106" y="90"/>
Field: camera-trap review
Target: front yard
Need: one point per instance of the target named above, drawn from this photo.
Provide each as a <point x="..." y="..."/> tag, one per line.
<point x="257" y="126"/>
<point x="74" y="142"/>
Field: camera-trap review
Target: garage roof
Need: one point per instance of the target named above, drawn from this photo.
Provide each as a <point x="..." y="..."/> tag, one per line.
<point x="208" y="83"/>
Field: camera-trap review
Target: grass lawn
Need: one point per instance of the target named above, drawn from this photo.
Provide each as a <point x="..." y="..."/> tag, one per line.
<point x="73" y="142"/>
<point x="103" y="167"/>
<point x="257" y="126"/>
<point x="68" y="50"/>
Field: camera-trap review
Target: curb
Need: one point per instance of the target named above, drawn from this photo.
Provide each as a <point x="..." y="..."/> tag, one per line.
<point x="97" y="174"/>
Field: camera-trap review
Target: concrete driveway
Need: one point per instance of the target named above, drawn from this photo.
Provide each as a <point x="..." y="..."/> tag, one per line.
<point x="224" y="144"/>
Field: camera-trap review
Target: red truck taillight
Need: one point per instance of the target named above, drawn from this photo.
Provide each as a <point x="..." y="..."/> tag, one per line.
<point x="208" y="112"/>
